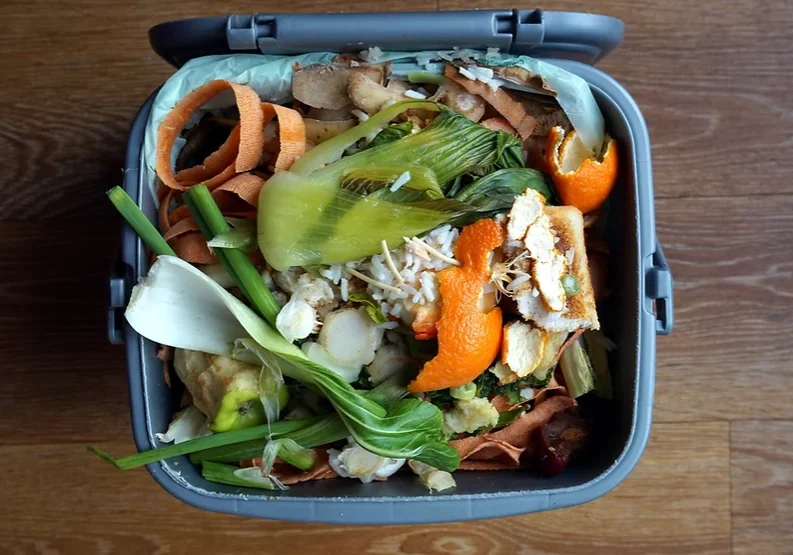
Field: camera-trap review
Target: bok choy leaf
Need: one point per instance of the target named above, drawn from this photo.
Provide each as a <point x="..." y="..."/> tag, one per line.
<point x="178" y="305"/>
<point x="496" y="192"/>
<point x="307" y="216"/>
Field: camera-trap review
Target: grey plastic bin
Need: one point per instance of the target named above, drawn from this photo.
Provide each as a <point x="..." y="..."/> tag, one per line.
<point x="641" y="308"/>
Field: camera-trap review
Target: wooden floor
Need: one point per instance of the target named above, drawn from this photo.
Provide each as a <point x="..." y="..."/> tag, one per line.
<point x="715" y="82"/>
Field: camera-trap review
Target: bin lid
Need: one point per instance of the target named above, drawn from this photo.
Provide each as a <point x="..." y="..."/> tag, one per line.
<point x="547" y="34"/>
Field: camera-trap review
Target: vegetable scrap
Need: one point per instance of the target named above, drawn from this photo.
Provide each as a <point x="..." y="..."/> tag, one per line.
<point x="582" y="180"/>
<point x="387" y="274"/>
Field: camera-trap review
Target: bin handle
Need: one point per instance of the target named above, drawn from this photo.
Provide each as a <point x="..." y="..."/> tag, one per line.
<point x="660" y="286"/>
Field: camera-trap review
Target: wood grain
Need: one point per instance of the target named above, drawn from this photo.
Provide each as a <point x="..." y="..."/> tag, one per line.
<point x="729" y="356"/>
<point x="713" y="81"/>
<point x="129" y="513"/>
<point x="61" y="378"/>
<point x="762" y="486"/>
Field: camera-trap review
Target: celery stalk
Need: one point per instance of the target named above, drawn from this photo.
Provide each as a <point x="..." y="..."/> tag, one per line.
<point x="139" y="222"/>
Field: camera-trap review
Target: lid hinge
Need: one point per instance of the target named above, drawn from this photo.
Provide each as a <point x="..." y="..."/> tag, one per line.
<point x="529" y="29"/>
<point x="242" y="32"/>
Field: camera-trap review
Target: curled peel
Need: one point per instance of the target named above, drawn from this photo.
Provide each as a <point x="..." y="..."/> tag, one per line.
<point x="468" y="339"/>
<point x="240" y="152"/>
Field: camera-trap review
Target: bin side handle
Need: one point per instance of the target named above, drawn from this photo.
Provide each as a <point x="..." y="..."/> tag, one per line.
<point x="660" y="285"/>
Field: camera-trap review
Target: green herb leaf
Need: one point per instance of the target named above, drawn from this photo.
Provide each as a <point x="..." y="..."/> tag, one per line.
<point x="371" y="306"/>
<point x="391" y="133"/>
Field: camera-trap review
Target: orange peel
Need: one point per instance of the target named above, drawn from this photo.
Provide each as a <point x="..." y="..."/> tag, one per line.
<point x="581" y="180"/>
<point x="468" y="339"/>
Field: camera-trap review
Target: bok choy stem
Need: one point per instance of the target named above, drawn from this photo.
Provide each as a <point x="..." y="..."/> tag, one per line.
<point x="138" y="221"/>
<point x="332" y="150"/>
<point x="244" y="271"/>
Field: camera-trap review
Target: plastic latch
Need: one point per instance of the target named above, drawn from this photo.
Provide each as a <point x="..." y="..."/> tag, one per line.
<point x="529" y="28"/>
<point x="660" y="285"/>
<point x="118" y="294"/>
<point x="241" y="32"/>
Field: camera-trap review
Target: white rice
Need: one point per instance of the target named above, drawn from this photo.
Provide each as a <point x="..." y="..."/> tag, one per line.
<point x="360" y="114"/>
<point x="372" y="54"/>
<point x="428" y="287"/>
<point x="420" y="285"/>
<point x="517" y="282"/>
<point x="415" y="94"/>
<point x="401" y="180"/>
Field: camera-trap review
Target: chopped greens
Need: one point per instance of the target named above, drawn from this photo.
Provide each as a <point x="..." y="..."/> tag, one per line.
<point x="391" y="133"/>
<point x="371" y="306"/>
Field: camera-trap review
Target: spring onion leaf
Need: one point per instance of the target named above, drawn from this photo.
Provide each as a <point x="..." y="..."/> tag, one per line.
<point x="570" y="285"/>
<point x="248" y="279"/>
<point x="289" y="451"/>
<point x="204" y="443"/>
<point x="235" y="476"/>
<point x="577" y="370"/>
<point x="138" y="221"/>
<point x="427" y="77"/>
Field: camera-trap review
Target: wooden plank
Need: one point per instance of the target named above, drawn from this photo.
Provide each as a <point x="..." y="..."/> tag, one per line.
<point x="675" y="501"/>
<point x="85" y="68"/>
<point x="728" y="357"/>
<point x="762" y="486"/>
<point x="713" y="84"/>
<point x="62" y="380"/>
